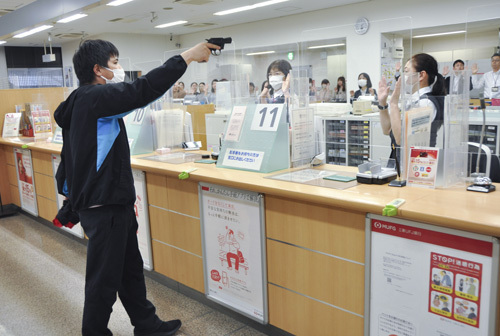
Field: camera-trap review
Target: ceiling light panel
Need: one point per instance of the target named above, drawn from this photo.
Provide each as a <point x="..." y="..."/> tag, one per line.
<point x="441" y="34"/>
<point x="118" y="2"/>
<point x="165" y="25"/>
<point x="250" y="7"/>
<point x="32" y="31"/>
<point x="72" y="18"/>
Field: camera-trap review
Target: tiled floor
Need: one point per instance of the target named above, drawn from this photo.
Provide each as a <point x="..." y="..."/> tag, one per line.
<point x="41" y="289"/>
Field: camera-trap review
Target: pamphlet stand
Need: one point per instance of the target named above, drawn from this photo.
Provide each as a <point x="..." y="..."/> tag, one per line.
<point x="140" y="131"/>
<point x="256" y="139"/>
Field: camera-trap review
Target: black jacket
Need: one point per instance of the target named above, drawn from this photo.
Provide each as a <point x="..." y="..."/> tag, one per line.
<point x="95" y="158"/>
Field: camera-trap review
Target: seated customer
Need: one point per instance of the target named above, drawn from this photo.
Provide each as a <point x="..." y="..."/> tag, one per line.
<point x="325" y="94"/>
<point x="365" y="87"/>
<point x="339" y="92"/>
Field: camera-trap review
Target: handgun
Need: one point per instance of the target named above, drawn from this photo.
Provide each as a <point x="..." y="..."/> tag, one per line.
<point x="220" y="41"/>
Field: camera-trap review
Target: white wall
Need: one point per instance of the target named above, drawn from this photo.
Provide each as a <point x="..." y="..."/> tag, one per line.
<point x="142" y="52"/>
<point x="137" y="52"/>
<point x="363" y="52"/>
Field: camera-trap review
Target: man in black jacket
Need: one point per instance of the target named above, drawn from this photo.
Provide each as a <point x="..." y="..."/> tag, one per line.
<point x="96" y="176"/>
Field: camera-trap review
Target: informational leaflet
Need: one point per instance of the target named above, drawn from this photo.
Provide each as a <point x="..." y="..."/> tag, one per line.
<point x="234" y="249"/>
<point x="302" y="134"/>
<point x="431" y="281"/>
<point x="422" y="167"/>
<point x="11" y="125"/>
<point x="142" y="214"/>
<point x="24" y="168"/>
<point x="42" y="123"/>
<point x="77" y="229"/>
<point x="235" y="123"/>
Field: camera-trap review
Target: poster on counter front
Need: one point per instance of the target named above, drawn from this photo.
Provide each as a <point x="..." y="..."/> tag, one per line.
<point x="142" y="215"/>
<point x="25" y="180"/>
<point x="76" y="230"/>
<point x="233" y="239"/>
<point x="429" y="280"/>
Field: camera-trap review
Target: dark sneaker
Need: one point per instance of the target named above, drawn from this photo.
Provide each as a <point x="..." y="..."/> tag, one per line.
<point x="168" y="328"/>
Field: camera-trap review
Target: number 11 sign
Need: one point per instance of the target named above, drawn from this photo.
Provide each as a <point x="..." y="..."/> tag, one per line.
<point x="256" y="139"/>
<point x="265" y="117"/>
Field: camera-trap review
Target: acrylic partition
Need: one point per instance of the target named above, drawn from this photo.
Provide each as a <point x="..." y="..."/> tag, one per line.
<point x="348" y="125"/>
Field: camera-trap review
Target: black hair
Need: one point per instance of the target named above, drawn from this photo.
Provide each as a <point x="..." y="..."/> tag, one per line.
<point x="368" y="80"/>
<point x="90" y="53"/>
<point x="325" y="81"/>
<point x="251" y="84"/>
<point x="495" y="55"/>
<point x="282" y="65"/>
<point x="201" y="83"/>
<point x="342" y="78"/>
<point x="193" y="83"/>
<point x="458" y="61"/>
<point x="212" y="85"/>
<point x="427" y="63"/>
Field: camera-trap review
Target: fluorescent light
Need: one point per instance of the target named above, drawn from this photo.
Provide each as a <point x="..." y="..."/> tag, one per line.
<point x="32" y="31"/>
<point x="170" y="24"/>
<point x="327" y="46"/>
<point x="261" y="53"/>
<point x="2" y="42"/>
<point x="118" y="2"/>
<point x="72" y="18"/>
<point x="245" y="8"/>
<point x="440" y="34"/>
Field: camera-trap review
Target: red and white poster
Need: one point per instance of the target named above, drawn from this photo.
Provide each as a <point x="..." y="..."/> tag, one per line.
<point x="234" y="250"/>
<point x="42" y="123"/>
<point x="422" y="167"/>
<point x="428" y="280"/>
<point x="25" y="179"/>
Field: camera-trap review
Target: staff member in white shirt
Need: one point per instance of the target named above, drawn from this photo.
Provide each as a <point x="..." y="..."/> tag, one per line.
<point x="490" y="80"/>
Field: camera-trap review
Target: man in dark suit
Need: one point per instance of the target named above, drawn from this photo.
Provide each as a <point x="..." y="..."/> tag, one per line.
<point x="457" y="85"/>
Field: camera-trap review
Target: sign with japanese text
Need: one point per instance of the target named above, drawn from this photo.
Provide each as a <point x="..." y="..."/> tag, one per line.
<point x="25" y="180"/>
<point x="422" y="167"/>
<point x="234" y="249"/>
<point x="428" y="280"/>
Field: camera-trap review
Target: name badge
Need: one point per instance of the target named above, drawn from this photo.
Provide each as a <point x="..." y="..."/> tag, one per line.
<point x="494" y="89"/>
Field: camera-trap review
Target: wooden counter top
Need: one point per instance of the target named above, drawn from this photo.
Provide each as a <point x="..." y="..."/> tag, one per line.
<point x="454" y="208"/>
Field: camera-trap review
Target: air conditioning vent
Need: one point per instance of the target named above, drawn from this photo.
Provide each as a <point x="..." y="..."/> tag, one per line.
<point x="193" y="2"/>
<point x="116" y="20"/>
<point x="199" y="25"/>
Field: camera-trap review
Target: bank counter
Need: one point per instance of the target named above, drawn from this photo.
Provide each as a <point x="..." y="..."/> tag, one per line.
<point x="315" y="237"/>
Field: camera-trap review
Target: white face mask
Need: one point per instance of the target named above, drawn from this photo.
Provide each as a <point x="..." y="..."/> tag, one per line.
<point x="362" y="82"/>
<point x="276" y="82"/>
<point x="412" y="83"/>
<point x="118" y="76"/>
<point x="323" y="86"/>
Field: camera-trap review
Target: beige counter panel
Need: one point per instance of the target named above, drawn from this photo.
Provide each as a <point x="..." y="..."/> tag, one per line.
<point x="179" y="265"/>
<point x="156" y="187"/>
<point x="47" y="209"/>
<point x="14" y="196"/>
<point x="316" y="227"/>
<point x="12" y="175"/>
<point x="183" y="196"/>
<point x="175" y="229"/>
<point x="42" y="162"/>
<point x="302" y="316"/>
<point x="9" y="155"/>
<point x="322" y="277"/>
<point x="44" y="186"/>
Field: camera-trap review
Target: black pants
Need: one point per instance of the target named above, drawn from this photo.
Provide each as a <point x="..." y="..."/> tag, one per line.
<point x="114" y="265"/>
